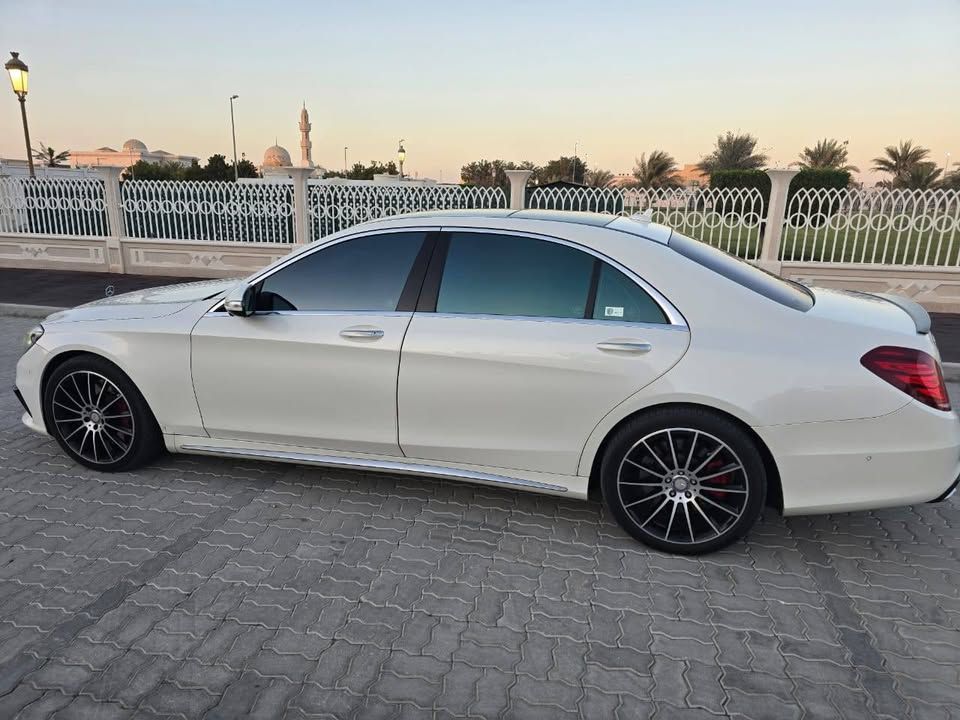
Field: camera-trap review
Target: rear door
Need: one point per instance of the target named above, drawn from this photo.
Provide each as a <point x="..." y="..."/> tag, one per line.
<point x="520" y="345"/>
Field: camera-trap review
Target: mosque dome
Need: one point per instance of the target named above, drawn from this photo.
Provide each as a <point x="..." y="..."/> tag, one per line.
<point x="276" y="156"/>
<point x="134" y="145"/>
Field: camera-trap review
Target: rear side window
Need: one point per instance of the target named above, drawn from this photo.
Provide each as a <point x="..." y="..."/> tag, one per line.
<point x="494" y="274"/>
<point x="793" y="295"/>
<point x="620" y="298"/>
<point x="365" y="273"/>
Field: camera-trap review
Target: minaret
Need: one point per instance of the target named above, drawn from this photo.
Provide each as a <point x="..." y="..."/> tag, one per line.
<point x="306" y="147"/>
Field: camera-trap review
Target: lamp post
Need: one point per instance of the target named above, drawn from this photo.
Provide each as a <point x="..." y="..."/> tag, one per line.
<point x="233" y="132"/>
<point x="17" y="69"/>
<point x="401" y="156"/>
<point x="345" y="148"/>
<point x="573" y="173"/>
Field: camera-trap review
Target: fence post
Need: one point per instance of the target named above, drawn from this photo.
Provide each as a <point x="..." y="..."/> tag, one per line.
<point x="114" y="207"/>
<point x="301" y="216"/>
<point x="518" y="188"/>
<point x="776" y="212"/>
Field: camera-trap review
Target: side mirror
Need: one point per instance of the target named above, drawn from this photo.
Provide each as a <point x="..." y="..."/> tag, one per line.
<point x="242" y="301"/>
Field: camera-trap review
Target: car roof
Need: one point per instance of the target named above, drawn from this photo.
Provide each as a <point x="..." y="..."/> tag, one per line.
<point x="635" y="225"/>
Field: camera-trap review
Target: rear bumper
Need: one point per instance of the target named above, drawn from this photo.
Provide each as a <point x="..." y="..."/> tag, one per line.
<point x="909" y="456"/>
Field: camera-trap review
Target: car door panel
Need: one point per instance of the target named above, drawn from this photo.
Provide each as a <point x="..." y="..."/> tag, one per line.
<point x="301" y="378"/>
<point x="519" y="393"/>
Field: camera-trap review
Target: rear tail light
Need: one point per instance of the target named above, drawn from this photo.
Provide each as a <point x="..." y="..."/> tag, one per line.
<point x="913" y="371"/>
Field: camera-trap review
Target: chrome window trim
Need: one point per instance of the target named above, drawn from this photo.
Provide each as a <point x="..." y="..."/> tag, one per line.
<point x="321" y="313"/>
<point x="673" y="315"/>
<point x="336" y="461"/>
<point x="566" y="321"/>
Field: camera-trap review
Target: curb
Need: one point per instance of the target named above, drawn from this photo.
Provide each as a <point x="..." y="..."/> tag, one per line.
<point x="27" y="311"/>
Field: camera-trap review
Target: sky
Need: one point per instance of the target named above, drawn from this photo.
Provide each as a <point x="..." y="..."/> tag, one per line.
<point x="517" y="80"/>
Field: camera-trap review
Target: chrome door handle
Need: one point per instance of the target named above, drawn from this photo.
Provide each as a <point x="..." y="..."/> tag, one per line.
<point x="361" y="333"/>
<point x="625" y="346"/>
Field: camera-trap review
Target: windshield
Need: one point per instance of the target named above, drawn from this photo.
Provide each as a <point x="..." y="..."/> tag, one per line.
<point x="786" y="292"/>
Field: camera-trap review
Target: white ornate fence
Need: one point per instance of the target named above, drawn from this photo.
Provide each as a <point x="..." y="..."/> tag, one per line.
<point x="53" y="206"/>
<point x="208" y="211"/>
<point x="728" y="218"/>
<point x="335" y="206"/>
<point x="876" y="226"/>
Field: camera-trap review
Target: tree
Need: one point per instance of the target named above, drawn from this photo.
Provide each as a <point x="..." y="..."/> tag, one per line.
<point x="599" y="178"/>
<point x="898" y="161"/>
<point x="921" y="176"/>
<point x="659" y="169"/>
<point x="142" y="170"/>
<point x="247" y="169"/>
<point x="733" y="151"/>
<point x="827" y="154"/>
<point x="50" y="157"/>
<point x="359" y="171"/>
<point x="563" y="168"/>
<point x="492" y="173"/>
<point x="218" y="169"/>
<point x="951" y="181"/>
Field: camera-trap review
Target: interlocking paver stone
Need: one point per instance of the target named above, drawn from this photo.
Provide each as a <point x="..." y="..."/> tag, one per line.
<point x="219" y="589"/>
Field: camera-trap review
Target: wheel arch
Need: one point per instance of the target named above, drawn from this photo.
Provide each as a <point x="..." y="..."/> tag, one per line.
<point x="774" y="486"/>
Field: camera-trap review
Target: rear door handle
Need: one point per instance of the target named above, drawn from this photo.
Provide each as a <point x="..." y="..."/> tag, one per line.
<point x="632" y="347"/>
<point x="360" y="332"/>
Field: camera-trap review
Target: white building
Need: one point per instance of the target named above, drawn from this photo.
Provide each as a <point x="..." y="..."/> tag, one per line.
<point x="133" y="151"/>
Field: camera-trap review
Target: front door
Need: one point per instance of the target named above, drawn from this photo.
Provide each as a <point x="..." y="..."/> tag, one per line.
<point x="316" y="365"/>
<point x="530" y="343"/>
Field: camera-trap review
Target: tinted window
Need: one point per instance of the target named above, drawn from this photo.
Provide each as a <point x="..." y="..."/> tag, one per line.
<point x="509" y="275"/>
<point x="775" y="288"/>
<point x="620" y="298"/>
<point x="367" y="273"/>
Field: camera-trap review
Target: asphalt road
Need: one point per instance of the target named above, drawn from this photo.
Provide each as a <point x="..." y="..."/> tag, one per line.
<point x="222" y="589"/>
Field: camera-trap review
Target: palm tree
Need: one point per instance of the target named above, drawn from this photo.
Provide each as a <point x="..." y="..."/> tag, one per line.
<point x="49" y="157"/>
<point x="951" y="181"/>
<point x="658" y="169"/>
<point x="899" y="161"/>
<point x="599" y="178"/>
<point x="921" y="176"/>
<point x="827" y="154"/>
<point x="733" y="152"/>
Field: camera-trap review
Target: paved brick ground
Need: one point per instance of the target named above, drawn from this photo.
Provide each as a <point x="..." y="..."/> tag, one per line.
<point x="220" y="589"/>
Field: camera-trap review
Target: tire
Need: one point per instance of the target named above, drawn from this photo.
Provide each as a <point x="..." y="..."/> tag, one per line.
<point x="684" y="480"/>
<point x="99" y="418"/>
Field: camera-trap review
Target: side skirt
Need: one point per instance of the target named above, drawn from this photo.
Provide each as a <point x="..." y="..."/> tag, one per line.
<point x="353" y="462"/>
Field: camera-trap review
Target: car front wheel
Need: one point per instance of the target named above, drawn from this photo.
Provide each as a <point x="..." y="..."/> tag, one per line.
<point x="98" y="416"/>
<point x="683" y="480"/>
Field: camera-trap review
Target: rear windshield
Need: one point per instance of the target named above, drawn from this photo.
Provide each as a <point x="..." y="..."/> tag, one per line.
<point x="786" y="292"/>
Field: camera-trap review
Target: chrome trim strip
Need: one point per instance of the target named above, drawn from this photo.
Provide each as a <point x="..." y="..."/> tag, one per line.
<point x="434" y="471"/>
<point x="319" y="313"/>
<point x="565" y="321"/>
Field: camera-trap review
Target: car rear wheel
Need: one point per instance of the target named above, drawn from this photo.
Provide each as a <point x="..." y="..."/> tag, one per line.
<point x="684" y="480"/>
<point x="98" y="416"/>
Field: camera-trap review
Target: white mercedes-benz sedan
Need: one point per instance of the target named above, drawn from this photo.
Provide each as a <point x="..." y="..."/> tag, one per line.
<point x="565" y="353"/>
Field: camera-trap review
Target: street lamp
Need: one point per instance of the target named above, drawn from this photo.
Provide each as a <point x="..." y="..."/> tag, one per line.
<point x="233" y="131"/>
<point x="17" y="69"/>
<point x="345" y="148"/>
<point x="401" y="156"/>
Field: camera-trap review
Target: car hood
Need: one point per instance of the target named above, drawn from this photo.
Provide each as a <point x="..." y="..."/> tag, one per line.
<point x="147" y="303"/>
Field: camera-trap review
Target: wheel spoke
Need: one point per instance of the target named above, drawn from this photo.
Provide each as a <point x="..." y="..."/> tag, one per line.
<point x="656" y="457"/>
<point x="90" y="387"/>
<point x="103" y="387"/>
<point x="710" y="457"/>
<point x="722" y="471"/>
<point x="93" y="444"/>
<point x="654" y="514"/>
<point x="686" y="511"/>
<point x="67" y="437"/>
<point x="646" y="470"/>
<point x="114" y="417"/>
<point x="106" y="448"/>
<point x="118" y="397"/>
<point x="118" y="429"/>
<point x="704" y="515"/>
<point x="693" y="445"/>
<point x="673" y="512"/>
<point x="673" y="449"/>
<point x="75" y="411"/>
<point x="114" y="441"/>
<point x="639" y="484"/>
<point x="83" y="441"/>
<point x="732" y="491"/>
<point x="68" y="396"/>
<point x="718" y="505"/>
<point x="69" y="420"/>
<point x="642" y="500"/>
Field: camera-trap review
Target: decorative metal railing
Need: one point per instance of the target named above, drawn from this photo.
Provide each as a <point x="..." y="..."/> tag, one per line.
<point x="731" y="219"/>
<point x="878" y="226"/>
<point x="53" y="206"/>
<point x="333" y="207"/>
<point x="208" y="211"/>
